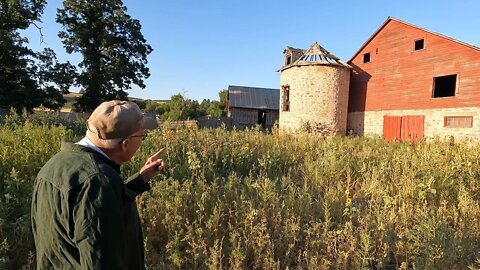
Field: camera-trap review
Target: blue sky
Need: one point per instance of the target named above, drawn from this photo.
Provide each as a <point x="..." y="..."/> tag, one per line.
<point x="201" y="47"/>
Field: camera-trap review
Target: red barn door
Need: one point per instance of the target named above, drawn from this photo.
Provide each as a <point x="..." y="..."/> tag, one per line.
<point x="412" y="127"/>
<point x="391" y="127"/>
<point x="405" y="128"/>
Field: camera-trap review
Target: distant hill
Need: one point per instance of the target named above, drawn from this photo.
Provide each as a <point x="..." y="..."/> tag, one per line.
<point x="70" y="98"/>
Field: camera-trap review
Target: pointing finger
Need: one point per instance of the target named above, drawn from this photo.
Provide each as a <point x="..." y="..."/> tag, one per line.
<point x="157" y="154"/>
<point x="161" y="165"/>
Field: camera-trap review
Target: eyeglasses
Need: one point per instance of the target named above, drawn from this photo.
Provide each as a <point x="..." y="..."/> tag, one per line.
<point x="143" y="136"/>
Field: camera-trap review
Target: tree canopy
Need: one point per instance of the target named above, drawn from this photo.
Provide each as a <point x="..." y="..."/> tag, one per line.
<point x="28" y="79"/>
<point x="18" y="88"/>
<point x="113" y="48"/>
<point x="181" y="108"/>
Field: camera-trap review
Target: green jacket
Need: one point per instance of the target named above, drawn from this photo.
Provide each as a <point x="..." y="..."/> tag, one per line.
<point x="84" y="216"/>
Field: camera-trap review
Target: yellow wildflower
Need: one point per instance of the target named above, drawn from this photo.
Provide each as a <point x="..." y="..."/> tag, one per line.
<point x="348" y="202"/>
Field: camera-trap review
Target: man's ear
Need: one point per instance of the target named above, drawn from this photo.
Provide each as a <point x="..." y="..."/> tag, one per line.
<point x="124" y="144"/>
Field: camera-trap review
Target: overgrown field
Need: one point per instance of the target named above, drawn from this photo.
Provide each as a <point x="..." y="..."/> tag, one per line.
<point x="249" y="200"/>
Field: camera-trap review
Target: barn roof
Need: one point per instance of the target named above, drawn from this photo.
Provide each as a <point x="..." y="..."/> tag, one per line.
<point x="389" y="19"/>
<point x="253" y="97"/>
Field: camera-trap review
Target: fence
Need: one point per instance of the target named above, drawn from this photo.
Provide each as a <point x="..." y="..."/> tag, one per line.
<point x="202" y="122"/>
<point x="212" y="122"/>
<point x="188" y="124"/>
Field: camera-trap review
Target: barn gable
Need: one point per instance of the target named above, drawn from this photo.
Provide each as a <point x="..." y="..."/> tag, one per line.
<point x="397" y="66"/>
<point x="411" y="25"/>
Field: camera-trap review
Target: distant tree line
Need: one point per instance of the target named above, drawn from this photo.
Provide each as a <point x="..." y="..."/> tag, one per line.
<point x="181" y="108"/>
<point x="113" y="49"/>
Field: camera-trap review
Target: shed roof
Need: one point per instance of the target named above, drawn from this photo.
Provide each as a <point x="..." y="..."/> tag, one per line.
<point x="253" y="97"/>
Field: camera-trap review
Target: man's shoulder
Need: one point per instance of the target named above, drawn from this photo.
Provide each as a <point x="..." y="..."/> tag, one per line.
<point x="72" y="166"/>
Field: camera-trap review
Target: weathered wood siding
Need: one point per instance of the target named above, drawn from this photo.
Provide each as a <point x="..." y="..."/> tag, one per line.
<point x="242" y="117"/>
<point x="399" y="78"/>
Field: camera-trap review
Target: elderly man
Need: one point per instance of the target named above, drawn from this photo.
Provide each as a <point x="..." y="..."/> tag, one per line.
<point x="83" y="213"/>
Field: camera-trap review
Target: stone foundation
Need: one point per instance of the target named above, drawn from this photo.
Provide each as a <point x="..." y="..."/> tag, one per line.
<point x="371" y="122"/>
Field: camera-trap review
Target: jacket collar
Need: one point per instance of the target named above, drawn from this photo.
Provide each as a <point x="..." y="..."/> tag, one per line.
<point x="88" y="143"/>
<point x="80" y="148"/>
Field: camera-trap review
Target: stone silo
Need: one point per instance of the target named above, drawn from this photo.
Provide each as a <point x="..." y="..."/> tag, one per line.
<point x="314" y="87"/>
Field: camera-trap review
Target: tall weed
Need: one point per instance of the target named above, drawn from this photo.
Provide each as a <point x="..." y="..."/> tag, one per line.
<point x="250" y="200"/>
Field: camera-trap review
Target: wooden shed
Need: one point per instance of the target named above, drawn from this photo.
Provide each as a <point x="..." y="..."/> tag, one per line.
<point x="408" y="83"/>
<point x="251" y="106"/>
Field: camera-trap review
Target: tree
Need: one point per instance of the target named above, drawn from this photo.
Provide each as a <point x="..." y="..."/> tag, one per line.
<point x="113" y="48"/>
<point x="20" y="14"/>
<point x="155" y="107"/>
<point x="203" y="107"/>
<point x="51" y="71"/>
<point x="53" y="99"/>
<point x="223" y="94"/>
<point x="178" y="108"/>
<point x="18" y="85"/>
<point x="181" y="108"/>
<point x="214" y="108"/>
<point x="54" y="78"/>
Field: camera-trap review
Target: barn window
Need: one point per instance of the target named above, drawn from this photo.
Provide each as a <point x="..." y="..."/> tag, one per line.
<point x="444" y="86"/>
<point x="419" y="44"/>
<point x="285" y="98"/>
<point x="458" y="121"/>
<point x="366" y="57"/>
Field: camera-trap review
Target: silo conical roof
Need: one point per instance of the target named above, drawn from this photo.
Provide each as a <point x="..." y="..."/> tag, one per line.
<point x="317" y="55"/>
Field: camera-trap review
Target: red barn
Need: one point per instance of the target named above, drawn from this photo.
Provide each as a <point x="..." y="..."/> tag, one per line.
<point x="408" y="83"/>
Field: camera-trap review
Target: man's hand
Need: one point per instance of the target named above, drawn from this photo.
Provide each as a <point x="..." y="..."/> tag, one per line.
<point x="153" y="166"/>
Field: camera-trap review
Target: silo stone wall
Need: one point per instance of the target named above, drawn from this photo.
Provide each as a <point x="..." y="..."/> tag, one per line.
<point x="318" y="99"/>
